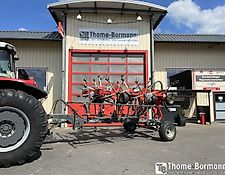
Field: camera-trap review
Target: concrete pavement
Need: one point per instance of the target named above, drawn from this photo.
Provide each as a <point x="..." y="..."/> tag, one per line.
<point x="113" y="152"/>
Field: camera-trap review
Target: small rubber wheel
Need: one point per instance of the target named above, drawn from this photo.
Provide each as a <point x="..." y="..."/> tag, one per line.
<point x="23" y="127"/>
<point x="130" y="125"/>
<point x="167" y="131"/>
<point x="181" y="121"/>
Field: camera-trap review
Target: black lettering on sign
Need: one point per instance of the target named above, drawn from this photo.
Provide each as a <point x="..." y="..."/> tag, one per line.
<point x="210" y="78"/>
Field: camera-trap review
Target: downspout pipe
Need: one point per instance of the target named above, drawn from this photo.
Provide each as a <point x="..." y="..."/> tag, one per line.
<point x="63" y="96"/>
<point x="152" y="51"/>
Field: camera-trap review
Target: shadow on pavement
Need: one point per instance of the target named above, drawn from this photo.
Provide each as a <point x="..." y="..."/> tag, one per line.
<point x="99" y="136"/>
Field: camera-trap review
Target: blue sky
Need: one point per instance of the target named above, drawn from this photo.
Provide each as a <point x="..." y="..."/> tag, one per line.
<point x="185" y="16"/>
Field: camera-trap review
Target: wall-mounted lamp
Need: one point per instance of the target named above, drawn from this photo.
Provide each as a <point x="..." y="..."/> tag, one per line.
<point x="79" y="17"/>
<point x="109" y="21"/>
<point x="139" y="18"/>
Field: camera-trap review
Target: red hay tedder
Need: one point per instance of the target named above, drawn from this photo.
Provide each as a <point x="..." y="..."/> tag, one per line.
<point x="116" y="104"/>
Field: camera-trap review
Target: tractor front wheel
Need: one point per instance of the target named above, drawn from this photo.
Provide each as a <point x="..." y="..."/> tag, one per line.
<point x="23" y="127"/>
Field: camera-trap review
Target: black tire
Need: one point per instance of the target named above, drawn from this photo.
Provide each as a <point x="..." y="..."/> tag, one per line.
<point x="130" y="125"/>
<point x="181" y="121"/>
<point x="17" y="105"/>
<point x="167" y="131"/>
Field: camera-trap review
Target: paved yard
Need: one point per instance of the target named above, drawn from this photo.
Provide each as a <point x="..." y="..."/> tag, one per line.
<point x="113" y="152"/>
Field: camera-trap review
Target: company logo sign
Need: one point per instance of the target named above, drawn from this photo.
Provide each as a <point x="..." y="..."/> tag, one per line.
<point x="210" y="78"/>
<point x="109" y="36"/>
<point x="161" y="168"/>
<point x="188" y="168"/>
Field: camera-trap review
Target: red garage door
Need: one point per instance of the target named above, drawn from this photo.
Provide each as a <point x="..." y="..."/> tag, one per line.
<point x="112" y="65"/>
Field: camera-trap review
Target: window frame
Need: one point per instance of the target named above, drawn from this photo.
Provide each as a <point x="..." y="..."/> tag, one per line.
<point x="178" y="68"/>
<point x="36" y="68"/>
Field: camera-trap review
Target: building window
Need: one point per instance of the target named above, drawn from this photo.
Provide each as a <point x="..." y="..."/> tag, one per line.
<point x="179" y="78"/>
<point x="38" y="74"/>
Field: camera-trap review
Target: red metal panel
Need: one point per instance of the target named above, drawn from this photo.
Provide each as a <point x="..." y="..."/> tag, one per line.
<point x="70" y="76"/>
<point x="110" y="63"/>
<point x="146" y="68"/>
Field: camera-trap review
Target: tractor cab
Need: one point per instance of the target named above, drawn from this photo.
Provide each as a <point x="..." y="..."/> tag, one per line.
<point x="8" y="56"/>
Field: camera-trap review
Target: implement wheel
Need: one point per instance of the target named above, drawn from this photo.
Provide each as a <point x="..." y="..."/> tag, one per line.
<point x="167" y="131"/>
<point x="23" y="127"/>
<point x="181" y="121"/>
<point x="130" y="125"/>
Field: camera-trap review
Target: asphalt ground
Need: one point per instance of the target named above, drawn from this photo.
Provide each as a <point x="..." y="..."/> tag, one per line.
<point x="111" y="151"/>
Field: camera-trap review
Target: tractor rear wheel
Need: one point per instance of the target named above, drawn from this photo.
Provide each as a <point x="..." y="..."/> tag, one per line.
<point x="167" y="131"/>
<point x="23" y="127"/>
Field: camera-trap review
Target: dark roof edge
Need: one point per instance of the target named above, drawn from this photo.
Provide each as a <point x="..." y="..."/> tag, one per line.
<point x="32" y="39"/>
<point x="189" y="38"/>
<point x="30" y="35"/>
<point x="173" y="34"/>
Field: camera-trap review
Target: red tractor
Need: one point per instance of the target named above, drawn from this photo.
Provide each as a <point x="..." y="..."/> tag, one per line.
<point x="23" y="120"/>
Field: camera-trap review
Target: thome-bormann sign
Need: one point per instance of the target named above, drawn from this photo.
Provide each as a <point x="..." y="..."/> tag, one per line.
<point x="108" y="36"/>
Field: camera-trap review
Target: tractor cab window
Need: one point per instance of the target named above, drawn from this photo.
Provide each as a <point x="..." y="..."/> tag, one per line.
<point x="5" y="61"/>
<point x="39" y="75"/>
